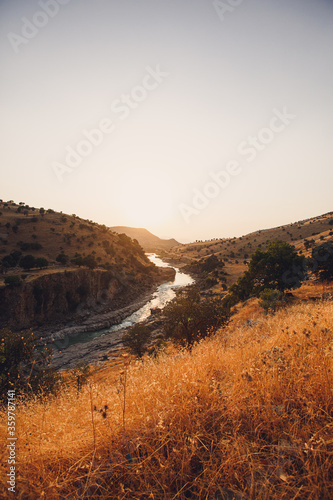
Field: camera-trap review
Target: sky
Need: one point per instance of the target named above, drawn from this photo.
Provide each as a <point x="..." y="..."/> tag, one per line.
<point x="195" y="119"/>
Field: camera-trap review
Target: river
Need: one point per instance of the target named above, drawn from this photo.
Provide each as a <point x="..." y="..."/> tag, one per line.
<point x="164" y="294"/>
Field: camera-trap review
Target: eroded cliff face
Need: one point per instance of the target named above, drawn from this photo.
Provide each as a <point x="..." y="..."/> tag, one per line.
<point x="72" y="295"/>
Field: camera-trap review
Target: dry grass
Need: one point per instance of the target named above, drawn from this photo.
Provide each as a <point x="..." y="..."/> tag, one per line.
<point x="249" y="410"/>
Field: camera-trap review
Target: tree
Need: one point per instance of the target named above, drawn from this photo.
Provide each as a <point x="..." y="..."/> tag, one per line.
<point x="8" y="261"/>
<point x="211" y="263"/>
<point x="62" y="258"/>
<point x="13" y="280"/>
<point x="189" y="317"/>
<point x="271" y="300"/>
<point x="77" y="260"/>
<point x="322" y="261"/>
<point x="27" y="262"/>
<point x="136" y="339"/>
<point x="277" y="268"/>
<point x="41" y="262"/>
<point x="90" y="261"/>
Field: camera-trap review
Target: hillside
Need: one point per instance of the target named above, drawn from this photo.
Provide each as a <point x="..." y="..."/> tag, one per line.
<point x="78" y="266"/>
<point x="46" y="233"/>
<point x="234" y="253"/>
<point x="247" y="414"/>
<point x="148" y="241"/>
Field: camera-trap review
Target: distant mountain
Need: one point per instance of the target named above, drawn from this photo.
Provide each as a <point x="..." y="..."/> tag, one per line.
<point x="148" y="241"/>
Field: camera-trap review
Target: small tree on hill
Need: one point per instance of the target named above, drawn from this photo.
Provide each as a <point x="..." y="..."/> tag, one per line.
<point x="190" y="318"/>
<point x="277" y="268"/>
<point x="90" y="261"/>
<point x="62" y="258"/>
<point x="136" y="339"/>
<point x="271" y="300"/>
<point x="41" y="262"/>
<point x="27" y="262"/>
<point x="322" y="261"/>
<point x="77" y="260"/>
<point x="13" y="281"/>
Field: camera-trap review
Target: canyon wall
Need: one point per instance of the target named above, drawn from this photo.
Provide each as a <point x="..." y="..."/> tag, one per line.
<point x="72" y="295"/>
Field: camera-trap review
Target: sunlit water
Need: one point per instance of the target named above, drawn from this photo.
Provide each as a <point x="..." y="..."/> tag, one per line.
<point x="164" y="294"/>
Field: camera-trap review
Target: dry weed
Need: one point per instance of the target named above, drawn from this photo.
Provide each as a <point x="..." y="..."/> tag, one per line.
<point x="246" y="414"/>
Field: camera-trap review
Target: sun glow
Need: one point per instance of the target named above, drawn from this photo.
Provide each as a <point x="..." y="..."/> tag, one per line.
<point x="145" y="197"/>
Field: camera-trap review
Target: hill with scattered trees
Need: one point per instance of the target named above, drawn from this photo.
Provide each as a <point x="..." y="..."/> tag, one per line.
<point x="53" y="265"/>
<point x="233" y="400"/>
<point x="221" y="261"/>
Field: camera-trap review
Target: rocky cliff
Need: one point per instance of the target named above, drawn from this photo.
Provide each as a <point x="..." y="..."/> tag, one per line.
<point x="72" y="295"/>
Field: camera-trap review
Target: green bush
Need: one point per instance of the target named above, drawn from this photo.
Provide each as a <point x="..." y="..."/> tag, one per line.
<point x="271" y="300"/>
<point x="12" y="280"/>
<point x="136" y="339"/>
<point x="277" y="268"/>
<point x="322" y="261"/>
<point x="77" y="260"/>
<point x="41" y="262"/>
<point x="189" y="317"/>
<point x="27" y="262"/>
<point x="62" y="258"/>
<point x="89" y="261"/>
<point x="29" y="246"/>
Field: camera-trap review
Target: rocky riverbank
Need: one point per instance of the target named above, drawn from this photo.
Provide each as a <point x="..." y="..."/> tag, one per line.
<point x="95" y="352"/>
<point x="129" y="297"/>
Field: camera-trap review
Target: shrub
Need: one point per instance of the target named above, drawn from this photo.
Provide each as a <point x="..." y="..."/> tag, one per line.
<point x="8" y="261"/>
<point x="211" y="263"/>
<point x="41" y="262"/>
<point x="36" y="246"/>
<point x="189" y="318"/>
<point x="322" y="261"/>
<point x="90" y="261"/>
<point x="27" y="262"/>
<point x="29" y="246"/>
<point x="62" y="258"/>
<point x="271" y="300"/>
<point x="77" y="260"/>
<point x="24" y="367"/>
<point x="12" y="281"/>
<point x="136" y="339"/>
<point x="278" y="268"/>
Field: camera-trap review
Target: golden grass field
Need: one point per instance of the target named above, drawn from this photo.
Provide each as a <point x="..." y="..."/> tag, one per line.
<point x="248" y="413"/>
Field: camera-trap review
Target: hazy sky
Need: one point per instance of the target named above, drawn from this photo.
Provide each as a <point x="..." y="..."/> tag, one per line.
<point x="195" y="119"/>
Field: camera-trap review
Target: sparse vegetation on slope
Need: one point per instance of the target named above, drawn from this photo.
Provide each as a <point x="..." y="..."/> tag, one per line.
<point x="248" y="411"/>
<point x="55" y="266"/>
<point x="28" y="234"/>
<point x="235" y="253"/>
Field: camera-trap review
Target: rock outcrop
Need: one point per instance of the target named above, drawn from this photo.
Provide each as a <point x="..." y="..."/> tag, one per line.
<point x="73" y="295"/>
